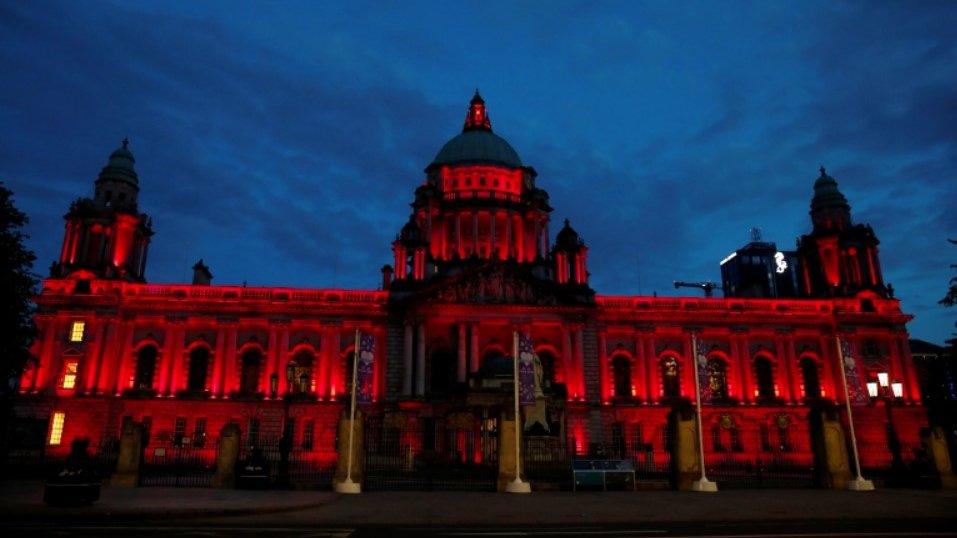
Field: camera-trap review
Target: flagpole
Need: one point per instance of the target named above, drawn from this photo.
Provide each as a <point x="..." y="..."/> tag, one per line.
<point x="347" y="485"/>
<point x="517" y="485"/>
<point x="702" y="483"/>
<point x="859" y="483"/>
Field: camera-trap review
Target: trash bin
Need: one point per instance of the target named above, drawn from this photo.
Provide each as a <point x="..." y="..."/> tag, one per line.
<point x="77" y="482"/>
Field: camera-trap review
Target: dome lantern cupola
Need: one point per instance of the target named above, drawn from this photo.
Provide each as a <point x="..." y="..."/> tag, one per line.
<point x="477" y="118"/>
<point x="829" y="208"/>
<point x="118" y="184"/>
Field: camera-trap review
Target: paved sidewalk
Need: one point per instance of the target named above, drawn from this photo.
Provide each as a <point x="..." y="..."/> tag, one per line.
<point x="24" y="499"/>
<point x="567" y="508"/>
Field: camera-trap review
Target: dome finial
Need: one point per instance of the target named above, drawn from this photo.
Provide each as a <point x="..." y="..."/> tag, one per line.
<point x="823" y="171"/>
<point x="126" y="142"/>
<point x="477" y="118"/>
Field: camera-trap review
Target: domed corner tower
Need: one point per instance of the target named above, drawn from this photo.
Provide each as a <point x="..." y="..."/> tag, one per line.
<point x="106" y="237"/>
<point x="838" y="258"/>
<point x="479" y="216"/>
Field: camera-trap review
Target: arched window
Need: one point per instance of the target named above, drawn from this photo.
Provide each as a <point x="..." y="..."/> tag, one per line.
<point x="299" y="373"/>
<point x="198" y="369"/>
<point x="621" y="368"/>
<point x="145" y="367"/>
<point x="717" y="378"/>
<point x="764" y="374"/>
<point x="670" y="382"/>
<point x="441" y="372"/>
<point x="250" y="368"/>
<point x="812" y="381"/>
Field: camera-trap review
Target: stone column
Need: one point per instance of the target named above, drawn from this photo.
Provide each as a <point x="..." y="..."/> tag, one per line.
<point x="462" y="359"/>
<point x="830" y="380"/>
<point x="794" y="372"/>
<point x="476" y="361"/>
<point x="172" y="348"/>
<point x="475" y="233"/>
<point x="124" y="359"/>
<point x="219" y="353"/>
<point x="491" y="235"/>
<point x="229" y="439"/>
<point x="909" y="379"/>
<point x="336" y="376"/>
<point x="107" y="353"/>
<point x="407" y="361"/>
<point x="784" y="375"/>
<point x="127" y="473"/>
<point x="91" y="362"/>
<point x="420" y="361"/>
<point x="605" y="394"/>
<point x="580" y="361"/>
<point x="271" y="362"/>
<point x="230" y="381"/>
<point x="651" y="364"/>
<point x="740" y="349"/>
<point x="44" y="366"/>
<point x="571" y="375"/>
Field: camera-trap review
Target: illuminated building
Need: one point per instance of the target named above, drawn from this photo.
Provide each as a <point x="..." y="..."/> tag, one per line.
<point x="474" y="262"/>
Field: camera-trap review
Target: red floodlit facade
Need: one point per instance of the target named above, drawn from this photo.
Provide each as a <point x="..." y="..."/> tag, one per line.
<point x="473" y="264"/>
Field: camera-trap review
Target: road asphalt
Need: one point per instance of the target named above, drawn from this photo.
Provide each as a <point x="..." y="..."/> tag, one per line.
<point x="898" y="512"/>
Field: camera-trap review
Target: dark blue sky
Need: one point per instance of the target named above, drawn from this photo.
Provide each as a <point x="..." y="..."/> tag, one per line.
<point x="282" y="142"/>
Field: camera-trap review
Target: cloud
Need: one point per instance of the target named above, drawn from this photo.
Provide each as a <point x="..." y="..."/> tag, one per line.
<point x="283" y="146"/>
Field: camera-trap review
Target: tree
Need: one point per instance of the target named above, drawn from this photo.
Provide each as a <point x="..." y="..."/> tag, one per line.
<point x="951" y="298"/>
<point x="18" y="286"/>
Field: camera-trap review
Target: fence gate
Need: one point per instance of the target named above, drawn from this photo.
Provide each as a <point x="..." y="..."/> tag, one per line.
<point x="453" y="453"/>
<point x="308" y="466"/>
<point x="178" y="465"/>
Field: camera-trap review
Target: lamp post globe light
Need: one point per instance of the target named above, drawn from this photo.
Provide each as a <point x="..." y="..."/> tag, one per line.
<point x="890" y="393"/>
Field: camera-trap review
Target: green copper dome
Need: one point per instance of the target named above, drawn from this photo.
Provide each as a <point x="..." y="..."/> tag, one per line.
<point x="120" y="165"/>
<point x="477" y="147"/>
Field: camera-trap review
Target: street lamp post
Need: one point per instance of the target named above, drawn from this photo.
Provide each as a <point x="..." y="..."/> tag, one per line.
<point x="889" y="393"/>
<point x="285" y="442"/>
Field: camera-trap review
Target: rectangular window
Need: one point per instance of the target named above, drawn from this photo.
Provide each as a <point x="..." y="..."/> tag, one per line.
<point x="56" y="428"/>
<point x="307" y="434"/>
<point x="76" y="331"/>
<point x="199" y="432"/>
<point x="179" y="431"/>
<point x="252" y="437"/>
<point x="69" y="374"/>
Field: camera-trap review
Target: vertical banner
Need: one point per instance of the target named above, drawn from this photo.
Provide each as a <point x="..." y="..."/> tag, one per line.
<point x="856" y="391"/>
<point x="365" y="375"/>
<point x="703" y="372"/>
<point x="526" y="370"/>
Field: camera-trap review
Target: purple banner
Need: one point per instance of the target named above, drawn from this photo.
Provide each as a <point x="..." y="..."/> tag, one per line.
<point x="704" y="374"/>
<point x="856" y="391"/>
<point x="365" y="376"/>
<point x="526" y="370"/>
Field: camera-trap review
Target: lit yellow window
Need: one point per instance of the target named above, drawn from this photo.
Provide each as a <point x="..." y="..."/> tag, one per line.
<point x="76" y="331"/>
<point x="69" y="374"/>
<point x="56" y="428"/>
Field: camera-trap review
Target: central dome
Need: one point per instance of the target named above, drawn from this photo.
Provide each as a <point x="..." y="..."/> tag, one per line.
<point x="477" y="144"/>
<point x="477" y="147"/>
